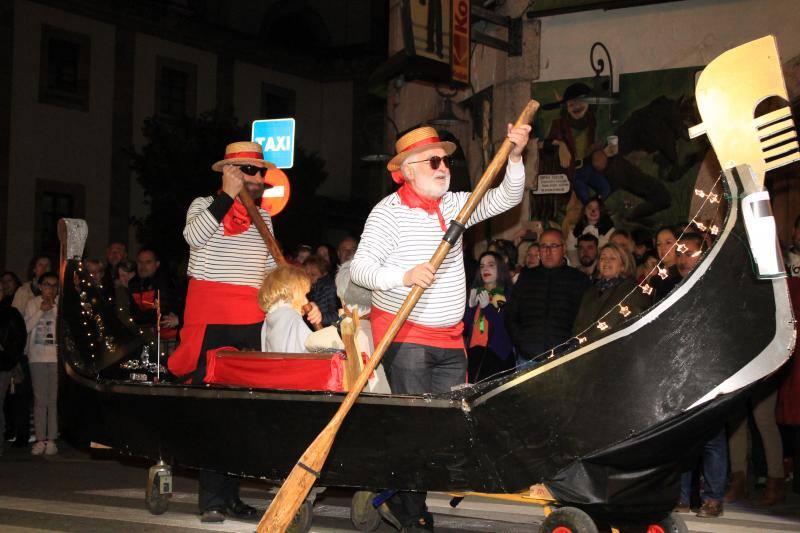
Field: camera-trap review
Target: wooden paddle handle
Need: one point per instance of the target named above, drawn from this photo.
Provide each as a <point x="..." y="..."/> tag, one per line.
<point x="261" y="226"/>
<point x="299" y="481"/>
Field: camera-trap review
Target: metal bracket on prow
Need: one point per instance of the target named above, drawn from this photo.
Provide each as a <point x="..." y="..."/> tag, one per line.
<point x="760" y="225"/>
<point x="728" y="92"/>
<point x="72" y="232"/>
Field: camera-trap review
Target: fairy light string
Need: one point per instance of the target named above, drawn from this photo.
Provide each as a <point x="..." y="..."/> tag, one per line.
<point x="659" y="269"/>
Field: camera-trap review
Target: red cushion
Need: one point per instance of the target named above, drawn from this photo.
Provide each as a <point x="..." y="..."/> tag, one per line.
<point x="292" y="372"/>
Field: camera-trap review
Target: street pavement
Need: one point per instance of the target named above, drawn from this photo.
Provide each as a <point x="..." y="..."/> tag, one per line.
<point x="101" y="491"/>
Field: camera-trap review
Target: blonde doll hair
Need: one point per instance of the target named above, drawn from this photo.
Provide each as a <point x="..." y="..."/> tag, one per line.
<point x="286" y="283"/>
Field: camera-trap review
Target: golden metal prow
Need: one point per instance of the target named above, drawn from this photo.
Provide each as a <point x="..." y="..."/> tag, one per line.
<point x="728" y="92"/>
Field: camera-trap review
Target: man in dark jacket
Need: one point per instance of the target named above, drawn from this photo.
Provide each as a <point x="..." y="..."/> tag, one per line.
<point x="546" y="300"/>
<point x="148" y="284"/>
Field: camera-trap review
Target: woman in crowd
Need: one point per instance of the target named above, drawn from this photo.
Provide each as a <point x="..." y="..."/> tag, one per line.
<point x="609" y="293"/>
<point x="595" y="221"/>
<point x="10" y="285"/>
<point x="30" y="289"/>
<point x="40" y="322"/>
<point x="666" y="242"/>
<point x="484" y="328"/>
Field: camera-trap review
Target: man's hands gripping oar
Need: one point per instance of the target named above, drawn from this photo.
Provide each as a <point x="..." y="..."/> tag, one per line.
<point x="296" y="486"/>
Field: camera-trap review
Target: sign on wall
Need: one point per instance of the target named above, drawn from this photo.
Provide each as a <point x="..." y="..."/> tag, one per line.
<point x="276" y="137"/>
<point x="459" y="53"/>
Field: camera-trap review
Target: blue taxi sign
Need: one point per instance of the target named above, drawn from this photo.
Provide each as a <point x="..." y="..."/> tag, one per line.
<point x="276" y="137"/>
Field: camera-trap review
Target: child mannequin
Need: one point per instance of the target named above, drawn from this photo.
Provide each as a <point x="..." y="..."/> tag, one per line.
<point x="282" y="296"/>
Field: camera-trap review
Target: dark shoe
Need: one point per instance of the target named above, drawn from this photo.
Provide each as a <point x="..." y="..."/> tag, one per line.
<point x="388" y="516"/>
<point x="710" y="509"/>
<point x="241" y="511"/>
<point x="212" y="516"/>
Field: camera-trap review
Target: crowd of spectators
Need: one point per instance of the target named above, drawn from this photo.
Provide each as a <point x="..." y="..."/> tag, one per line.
<point x="528" y="301"/>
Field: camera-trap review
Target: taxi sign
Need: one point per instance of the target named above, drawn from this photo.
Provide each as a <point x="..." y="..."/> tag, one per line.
<point x="276" y="137"/>
<point x="277" y="191"/>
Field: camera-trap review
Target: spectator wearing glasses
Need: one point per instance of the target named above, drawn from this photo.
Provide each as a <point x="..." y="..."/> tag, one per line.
<point x="400" y="236"/>
<point x="546" y="301"/>
<point x="40" y="322"/>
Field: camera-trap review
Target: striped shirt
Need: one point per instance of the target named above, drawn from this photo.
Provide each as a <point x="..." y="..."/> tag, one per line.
<point x="240" y="259"/>
<point x="397" y="238"/>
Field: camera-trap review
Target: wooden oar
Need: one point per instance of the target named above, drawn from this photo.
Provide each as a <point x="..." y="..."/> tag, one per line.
<point x="296" y="486"/>
<point x="261" y="226"/>
<point x="269" y="239"/>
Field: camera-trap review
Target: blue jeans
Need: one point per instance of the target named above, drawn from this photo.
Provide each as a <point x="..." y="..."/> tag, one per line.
<point x="715" y="471"/>
<point x="587" y="176"/>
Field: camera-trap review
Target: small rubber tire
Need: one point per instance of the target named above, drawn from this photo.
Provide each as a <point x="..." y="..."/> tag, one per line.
<point x="568" y="520"/>
<point x="672" y="523"/>
<point x="301" y="523"/>
<point x="363" y="514"/>
<point x="157" y="503"/>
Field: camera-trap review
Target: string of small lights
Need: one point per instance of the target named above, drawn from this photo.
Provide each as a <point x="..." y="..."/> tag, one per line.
<point x="659" y="269"/>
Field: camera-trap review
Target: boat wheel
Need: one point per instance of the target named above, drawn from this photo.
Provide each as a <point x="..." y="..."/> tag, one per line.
<point x="301" y="523"/>
<point x="363" y="514"/>
<point x="568" y="520"/>
<point x="672" y="523"/>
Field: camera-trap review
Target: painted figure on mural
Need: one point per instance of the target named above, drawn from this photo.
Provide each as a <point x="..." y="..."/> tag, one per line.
<point x="580" y="153"/>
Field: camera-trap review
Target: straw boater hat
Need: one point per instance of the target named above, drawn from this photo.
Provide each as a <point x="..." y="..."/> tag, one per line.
<point x="417" y="140"/>
<point x="242" y="153"/>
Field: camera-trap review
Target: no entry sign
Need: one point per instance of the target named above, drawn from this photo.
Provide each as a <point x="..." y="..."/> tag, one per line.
<point x="276" y="137"/>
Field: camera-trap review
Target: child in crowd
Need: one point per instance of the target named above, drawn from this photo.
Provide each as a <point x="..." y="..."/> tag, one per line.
<point x="40" y="321"/>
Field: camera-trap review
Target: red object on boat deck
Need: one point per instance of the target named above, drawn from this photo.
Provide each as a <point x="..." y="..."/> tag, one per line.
<point x="293" y="372"/>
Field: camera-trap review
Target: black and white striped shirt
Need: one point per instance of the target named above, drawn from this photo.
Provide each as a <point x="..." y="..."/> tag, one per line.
<point x="397" y="238"/>
<point x="240" y="259"/>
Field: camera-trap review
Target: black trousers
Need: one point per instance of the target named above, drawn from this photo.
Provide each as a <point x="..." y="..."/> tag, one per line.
<point x="417" y="369"/>
<point x="217" y="490"/>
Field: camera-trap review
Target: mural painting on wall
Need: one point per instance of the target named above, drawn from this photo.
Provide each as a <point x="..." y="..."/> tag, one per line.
<point x="426" y="24"/>
<point x="636" y="154"/>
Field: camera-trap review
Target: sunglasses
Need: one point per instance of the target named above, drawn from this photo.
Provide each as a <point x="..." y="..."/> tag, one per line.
<point x="435" y="161"/>
<point x="252" y="170"/>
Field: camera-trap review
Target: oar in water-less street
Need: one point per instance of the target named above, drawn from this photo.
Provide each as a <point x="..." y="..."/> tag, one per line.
<point x="295" y="488"/>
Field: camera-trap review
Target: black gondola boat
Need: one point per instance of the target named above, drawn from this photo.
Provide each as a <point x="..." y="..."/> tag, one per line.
<point x="604" y="426"/>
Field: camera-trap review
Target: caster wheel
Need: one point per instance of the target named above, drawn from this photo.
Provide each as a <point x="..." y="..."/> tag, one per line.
<point x="362" y="514"/>
<point x="672" y="523"/>
<point x="568" y="520"/>
<point x="157" y="503"/>
<point x="301" y="523"/>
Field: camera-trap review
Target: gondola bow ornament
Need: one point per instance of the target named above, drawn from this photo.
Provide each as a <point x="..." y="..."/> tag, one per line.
<point x="728" y="92"/>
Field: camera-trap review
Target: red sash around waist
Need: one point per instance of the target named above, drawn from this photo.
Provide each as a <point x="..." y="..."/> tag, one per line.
<point x="440" y="337"/>
<point x="211" y="302"/>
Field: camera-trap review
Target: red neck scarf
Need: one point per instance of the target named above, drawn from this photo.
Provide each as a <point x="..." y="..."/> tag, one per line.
<point x="409" y="197"/>
<point x="236" y="220"/>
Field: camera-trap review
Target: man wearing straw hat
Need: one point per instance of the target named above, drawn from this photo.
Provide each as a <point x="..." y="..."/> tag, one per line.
<point x="400" y="236"/>
<point x="227" y="263"/>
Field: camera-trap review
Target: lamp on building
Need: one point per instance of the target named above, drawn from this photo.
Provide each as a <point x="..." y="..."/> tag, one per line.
<point x="447" y="117"/>
<point x="376" y="155"/>
<point x="602" y="85"/>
